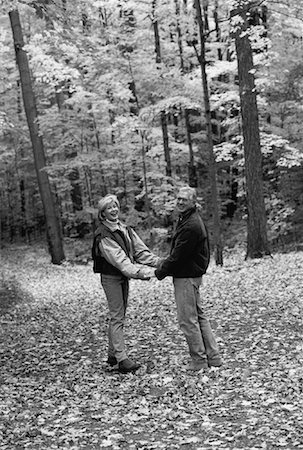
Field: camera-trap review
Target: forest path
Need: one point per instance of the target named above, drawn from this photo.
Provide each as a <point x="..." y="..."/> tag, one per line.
<point x="57" y="393"/>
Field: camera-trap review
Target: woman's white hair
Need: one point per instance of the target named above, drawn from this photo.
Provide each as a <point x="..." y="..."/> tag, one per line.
<point x="104" y="202"/>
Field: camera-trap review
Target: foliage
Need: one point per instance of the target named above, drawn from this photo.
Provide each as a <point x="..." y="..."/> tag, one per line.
<point x="101" y="93"/>
<point x="56" y="391"/>
<point x="279" y="160"/>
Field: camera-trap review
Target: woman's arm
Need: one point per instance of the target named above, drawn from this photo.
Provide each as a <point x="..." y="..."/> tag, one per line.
<point x="116" y="256"/>
<point x="142" y="253"/>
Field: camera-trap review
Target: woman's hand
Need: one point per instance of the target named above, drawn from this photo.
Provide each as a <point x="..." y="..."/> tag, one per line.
<point x="146" y="273"/>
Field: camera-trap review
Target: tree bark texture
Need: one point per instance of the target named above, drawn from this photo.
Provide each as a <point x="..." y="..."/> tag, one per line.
<point x="192" y="176"/>
<point x="51" y="217"/>
<point x="166" y="144"/>
<point x="212" y="161"/>
<point x="147" y="201"/>
<point x="73" y="174"/>
<point x="192" y="173"/>
<point x="257" y="242"/>
<point x="163" y="115"/>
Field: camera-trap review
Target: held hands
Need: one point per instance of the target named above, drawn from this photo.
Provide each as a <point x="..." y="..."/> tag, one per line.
<point x="159" y="262"/>
<point x="146" y="273"/>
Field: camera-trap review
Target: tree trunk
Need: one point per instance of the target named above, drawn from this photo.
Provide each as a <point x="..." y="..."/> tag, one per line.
<point x="163" y="115"/>
<point x="257" y="242"/>
<point x="192" y="173"/>
<point x="73" y="174"/>
<point x="10" y="215"/>
<point x="192" y="176"/>
<point x="212" y="161"/>
<point x="102" y="176"/>
<point x="179" y="34"/>
<point x="166" y="144"/>
<point x="21" y="180"/>
<point x="147" y="201"/>
<point x="52" y="221"/>
<point x="218" y="31"/>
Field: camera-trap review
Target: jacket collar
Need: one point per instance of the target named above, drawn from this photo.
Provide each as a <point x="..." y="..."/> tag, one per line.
<point x="187" y="214"/>
<point x="113" y="226"/>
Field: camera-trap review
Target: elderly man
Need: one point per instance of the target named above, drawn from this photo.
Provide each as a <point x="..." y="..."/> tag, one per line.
<point x="187" y="262"/>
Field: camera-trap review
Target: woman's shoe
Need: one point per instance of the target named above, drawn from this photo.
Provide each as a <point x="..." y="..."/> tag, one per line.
<point x="112" y="361"/>
<point x="196" y="366"/>
<point x="215" y="362"/>
<point x="128" y="366"/>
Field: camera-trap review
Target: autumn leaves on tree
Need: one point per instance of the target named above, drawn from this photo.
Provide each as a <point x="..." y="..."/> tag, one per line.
<point x="138" y="98"/>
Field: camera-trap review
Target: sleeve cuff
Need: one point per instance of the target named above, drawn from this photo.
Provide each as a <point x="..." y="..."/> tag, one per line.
<point x="159" y="274"/>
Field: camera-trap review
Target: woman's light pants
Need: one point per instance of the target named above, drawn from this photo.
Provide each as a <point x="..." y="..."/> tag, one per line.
<point x="116" y="289"/>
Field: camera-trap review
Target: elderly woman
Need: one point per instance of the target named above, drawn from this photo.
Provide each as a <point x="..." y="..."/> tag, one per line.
<point x="115" y="251"/>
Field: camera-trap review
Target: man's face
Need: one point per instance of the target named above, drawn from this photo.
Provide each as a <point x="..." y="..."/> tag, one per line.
<point x="184" y="201"/>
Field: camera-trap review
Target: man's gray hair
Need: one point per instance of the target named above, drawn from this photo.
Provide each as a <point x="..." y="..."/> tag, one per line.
<point x="104" y="202"/>
<point x="191" y="192"/>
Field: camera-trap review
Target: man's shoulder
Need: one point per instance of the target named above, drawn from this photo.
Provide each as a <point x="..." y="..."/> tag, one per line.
<point x="196" y="223"/>
<point x="195" y="219"/>
<point x="191" y="227"/>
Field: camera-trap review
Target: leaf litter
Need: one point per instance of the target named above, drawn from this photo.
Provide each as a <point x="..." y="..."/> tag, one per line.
<point x="57" y="393"/>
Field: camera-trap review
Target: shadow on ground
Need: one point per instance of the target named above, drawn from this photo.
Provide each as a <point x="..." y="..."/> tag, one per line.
<point x="10" y="295"/>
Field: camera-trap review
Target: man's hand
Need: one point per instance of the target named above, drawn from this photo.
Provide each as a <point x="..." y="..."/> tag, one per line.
<point x="159" y="263"/>
<point x="146" y="274"/>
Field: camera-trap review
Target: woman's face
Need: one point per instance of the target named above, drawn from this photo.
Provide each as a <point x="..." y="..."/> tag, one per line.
<point x="111" y="212"/>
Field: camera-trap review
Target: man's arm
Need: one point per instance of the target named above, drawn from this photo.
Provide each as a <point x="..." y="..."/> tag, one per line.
<point x="185" y="246"/>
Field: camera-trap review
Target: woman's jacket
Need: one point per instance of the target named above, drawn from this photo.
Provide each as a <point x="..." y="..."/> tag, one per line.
<point x="117" y="248"/>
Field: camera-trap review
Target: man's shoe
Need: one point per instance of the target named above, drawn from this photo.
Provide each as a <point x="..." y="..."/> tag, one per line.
<point x="215" y="362"/>
<point x="196" y="366"/>
<point x="128" y="366"/>
<point x="112" y="361"/>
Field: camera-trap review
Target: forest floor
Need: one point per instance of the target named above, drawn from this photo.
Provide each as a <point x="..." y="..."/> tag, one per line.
<point x="57" y="393"/>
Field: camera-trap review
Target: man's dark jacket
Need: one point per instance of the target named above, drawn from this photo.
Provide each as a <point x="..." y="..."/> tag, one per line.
<point x="189" y="255"/>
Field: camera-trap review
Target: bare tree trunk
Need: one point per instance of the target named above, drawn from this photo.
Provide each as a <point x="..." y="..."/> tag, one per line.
<point x="166" y="144"/>
<point x="257" y="242"/>
<point x="163" y="116"/>
<point x="143" y="154"/>
<point x="212" y="161"/>
<point x="147" y="202"/>
<point x="21" y="180"/>
<point x="73" y="174"/>
<point x="102" y="176"/>
<point x="21" y="184"/>
<point x="192" y="177"/>
<point x="179" y="34"/>
<point x="218" y="32"/>
<point x="1" y="215"/>
<point x="52" y="221"/>
<point x="192" y="173"/>
<point x="10" y="212"/>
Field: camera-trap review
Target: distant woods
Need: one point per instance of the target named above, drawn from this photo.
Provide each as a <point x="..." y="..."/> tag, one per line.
<point x="138" y="98"/>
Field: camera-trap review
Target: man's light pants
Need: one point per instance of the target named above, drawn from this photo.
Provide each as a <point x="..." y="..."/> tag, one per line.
<point x="193" y="321"/>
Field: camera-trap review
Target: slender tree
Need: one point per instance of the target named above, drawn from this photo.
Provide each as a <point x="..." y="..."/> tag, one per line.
<point x="257" y="242"/>
<point x="192" y="175"/>
<point x="212" y="161"/>
<point x="163" y="115"/>
<point x="51" y="217"/>
<point x="147" y="200"/>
